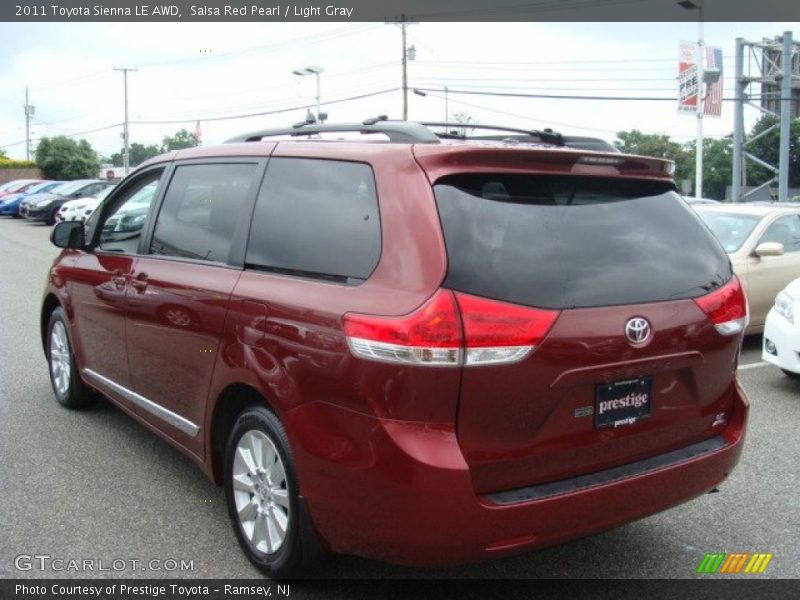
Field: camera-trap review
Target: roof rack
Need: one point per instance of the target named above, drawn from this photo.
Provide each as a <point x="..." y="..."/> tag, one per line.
<point x="547" y="136"/>
<point x="396" y="131"/>
<point x="406" y="131"/>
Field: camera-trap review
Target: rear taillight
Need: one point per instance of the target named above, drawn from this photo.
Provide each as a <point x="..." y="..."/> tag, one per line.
<point x="726" y="307"/>
<point x="497" y="332"/>
<point x="450" y="329"/>
<point x="431" y="335"/>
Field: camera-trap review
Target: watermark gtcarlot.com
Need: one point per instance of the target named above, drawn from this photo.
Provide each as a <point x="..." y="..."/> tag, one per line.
<point x="59" y="564"/>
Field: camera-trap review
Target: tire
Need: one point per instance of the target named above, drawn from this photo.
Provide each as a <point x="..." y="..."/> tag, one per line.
<point x="51" y="220"/>
<point x="258" y="461"/>
<point x="67" y="385"/>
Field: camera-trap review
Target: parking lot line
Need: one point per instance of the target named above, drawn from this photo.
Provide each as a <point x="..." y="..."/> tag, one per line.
<point x="752" y="365"/>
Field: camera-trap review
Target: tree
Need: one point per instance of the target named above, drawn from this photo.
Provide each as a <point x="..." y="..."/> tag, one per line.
<point x="138" y="154"/>
<point x="3" y="153"/>
<point x="657" y="145"/>
<point x="717" y="165"/>
<point x="181" y="139"/>
<point x="767" y="148"/>
<point x="63" y="158"/>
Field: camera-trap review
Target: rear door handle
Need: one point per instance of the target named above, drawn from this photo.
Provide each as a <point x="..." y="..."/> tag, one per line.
<point x="140" y="282"/>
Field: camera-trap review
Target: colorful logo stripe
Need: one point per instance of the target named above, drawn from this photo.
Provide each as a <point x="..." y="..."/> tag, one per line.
<point x="736" y="562"/>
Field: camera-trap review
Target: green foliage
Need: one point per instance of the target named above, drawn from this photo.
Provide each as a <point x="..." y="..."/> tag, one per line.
<point x="7" y="163"/>
<point x="63" y="158"/>
<point x="182" y="139"/>
<point x="717" y="165"/>
<point x="659" y="146"/>
<point x="767" y="148"/>
<point x="3" y="154"/>
<point x="139" y="154"/>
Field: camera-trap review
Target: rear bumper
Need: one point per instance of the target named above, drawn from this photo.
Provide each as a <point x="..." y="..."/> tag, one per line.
<point x="402" y="492"/>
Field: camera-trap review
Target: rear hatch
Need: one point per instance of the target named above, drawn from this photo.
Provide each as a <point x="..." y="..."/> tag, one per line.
<point x="642" y="322"/>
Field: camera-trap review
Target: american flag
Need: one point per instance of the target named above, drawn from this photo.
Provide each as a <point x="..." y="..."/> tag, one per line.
<point x="713" y="104"/>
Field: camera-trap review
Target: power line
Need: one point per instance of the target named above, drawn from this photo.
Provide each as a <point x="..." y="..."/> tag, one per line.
<point x="555" y="96"/>
<point x="76" y="133"/>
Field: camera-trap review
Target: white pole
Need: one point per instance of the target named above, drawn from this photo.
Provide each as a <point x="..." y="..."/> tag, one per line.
<point x="698" y="175"/>
<point x="317" y="74"/>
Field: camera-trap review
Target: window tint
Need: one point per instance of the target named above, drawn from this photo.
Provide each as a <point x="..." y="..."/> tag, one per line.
<point x="785" y="230"/>
<point x="121" y="229"/>
<point x="316" y="218"/>
<point x="567" y="242"/>
<point x="200" y="210"/>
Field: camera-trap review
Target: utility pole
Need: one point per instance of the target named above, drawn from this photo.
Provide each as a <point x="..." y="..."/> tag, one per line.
<point x="408" y="53"/>
<point x="29" y="112"/>
<point x="125" y="137"/>
<point x="403" y="25"/>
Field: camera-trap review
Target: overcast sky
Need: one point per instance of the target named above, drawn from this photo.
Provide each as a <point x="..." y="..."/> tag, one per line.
<point x="197" y="71"/>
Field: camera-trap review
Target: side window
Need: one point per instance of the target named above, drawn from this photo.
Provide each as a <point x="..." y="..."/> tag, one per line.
<point x="785" y="230"/>
<point x="316" y="218"/>
<point x="121" y="229"/>
<point x="200" y="210"/>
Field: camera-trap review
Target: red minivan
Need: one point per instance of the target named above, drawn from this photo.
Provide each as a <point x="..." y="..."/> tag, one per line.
<point x="419" y="347"/>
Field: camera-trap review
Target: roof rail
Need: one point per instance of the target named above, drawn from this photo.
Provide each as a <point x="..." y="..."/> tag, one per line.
<point x="396" y="131"/>
<point x="547" y="136"/>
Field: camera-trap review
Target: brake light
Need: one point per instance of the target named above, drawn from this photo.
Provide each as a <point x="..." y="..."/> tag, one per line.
<point x="450" y="329"/>
<point x="497" y="332"/>
<point x="431" y="335"/>
<point x="726" y="307"/>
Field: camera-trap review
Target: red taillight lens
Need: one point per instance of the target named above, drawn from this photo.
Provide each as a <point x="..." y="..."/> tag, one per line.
<point x="493" y="332"/>
<point x="431" y="335"/>
<point x="498" y="332"/>
<point x="726" y="307"/>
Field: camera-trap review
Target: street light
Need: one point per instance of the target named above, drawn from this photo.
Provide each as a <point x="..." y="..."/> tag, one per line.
<point x="700" y="106"/>
<point x="312" y="70"/>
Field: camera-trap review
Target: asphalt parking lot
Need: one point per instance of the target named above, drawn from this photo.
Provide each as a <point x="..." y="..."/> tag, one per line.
<point x="96" y="485"/>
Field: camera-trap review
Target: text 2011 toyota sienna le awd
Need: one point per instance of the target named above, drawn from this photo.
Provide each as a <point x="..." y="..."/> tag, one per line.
<point x="426" y="349"/>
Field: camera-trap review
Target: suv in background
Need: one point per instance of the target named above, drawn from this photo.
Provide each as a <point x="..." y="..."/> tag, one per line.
<point x="419" y="349"/>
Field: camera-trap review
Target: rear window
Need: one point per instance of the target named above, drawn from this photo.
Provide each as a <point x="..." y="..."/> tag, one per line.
<point x="571" y="242"/>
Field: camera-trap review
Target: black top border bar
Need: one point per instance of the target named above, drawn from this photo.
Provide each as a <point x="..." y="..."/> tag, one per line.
<point x="410" y="11"/>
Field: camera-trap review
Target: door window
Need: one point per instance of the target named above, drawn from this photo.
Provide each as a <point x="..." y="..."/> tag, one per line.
<point x="318" y="219"/>
<point x="201" y="209"/>
<point x="786" y="231"/>
<point x="121" y="229"/>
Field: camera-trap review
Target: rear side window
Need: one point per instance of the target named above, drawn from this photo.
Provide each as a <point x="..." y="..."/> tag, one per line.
<point x="201" y="209"/>
<point x="569" y="242"/>
<point x="316" y="218"/>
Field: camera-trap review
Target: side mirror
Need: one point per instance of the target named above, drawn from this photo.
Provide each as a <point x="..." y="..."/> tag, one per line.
<point x="68" y="234"/>
<point x="769" y="249"/>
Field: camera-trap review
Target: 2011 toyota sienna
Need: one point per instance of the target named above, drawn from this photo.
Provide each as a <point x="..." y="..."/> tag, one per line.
<point x="420" y="348"/>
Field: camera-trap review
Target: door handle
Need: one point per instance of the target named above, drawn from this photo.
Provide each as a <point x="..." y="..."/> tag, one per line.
<point x="140" y="282"/>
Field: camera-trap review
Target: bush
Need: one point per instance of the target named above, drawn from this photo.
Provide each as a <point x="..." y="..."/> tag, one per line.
<point x="7" y="163"/>
<point x="63" y="158"/>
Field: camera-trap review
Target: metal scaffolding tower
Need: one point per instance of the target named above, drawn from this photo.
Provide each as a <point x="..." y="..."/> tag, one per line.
<point x="775" y="65"/>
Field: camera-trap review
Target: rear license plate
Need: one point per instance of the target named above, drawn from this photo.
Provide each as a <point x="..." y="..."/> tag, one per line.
<point x="623" y="402"/>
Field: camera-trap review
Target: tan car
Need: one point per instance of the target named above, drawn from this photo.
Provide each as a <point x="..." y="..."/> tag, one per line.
<point x="763" y="242"/>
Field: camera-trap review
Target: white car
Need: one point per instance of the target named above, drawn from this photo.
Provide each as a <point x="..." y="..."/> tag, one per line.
<point x="81" y="209"/>
<point x="781" y="345"/>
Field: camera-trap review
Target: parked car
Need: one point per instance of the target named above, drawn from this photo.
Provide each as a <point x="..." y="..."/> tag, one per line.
<point x="781" y="343"/>
<point x="9" y="205"/>
<point x="44" y="207"/>
<point x="18" y="185"/>
<point x="82" y="208"/>
<point x="426" y="351"/>
<point x="763" y="242"/>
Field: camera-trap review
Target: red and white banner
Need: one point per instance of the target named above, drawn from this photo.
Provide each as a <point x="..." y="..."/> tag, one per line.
<point x="687" y="77"/>
<point x="688" y="82"/>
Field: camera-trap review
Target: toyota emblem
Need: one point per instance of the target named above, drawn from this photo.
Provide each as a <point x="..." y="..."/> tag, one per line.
<point x="637" y="330"/>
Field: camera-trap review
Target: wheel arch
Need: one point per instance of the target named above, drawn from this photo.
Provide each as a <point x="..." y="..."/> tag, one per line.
<point x="49" y="304"/>
<point x="234" y="399"/>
